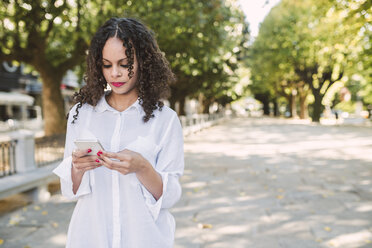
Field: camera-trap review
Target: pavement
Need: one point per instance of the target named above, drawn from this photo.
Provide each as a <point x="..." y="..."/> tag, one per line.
<point x="249" y="182"/>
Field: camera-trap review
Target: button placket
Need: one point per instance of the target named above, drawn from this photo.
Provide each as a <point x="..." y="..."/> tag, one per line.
<point x="115" y="143"/>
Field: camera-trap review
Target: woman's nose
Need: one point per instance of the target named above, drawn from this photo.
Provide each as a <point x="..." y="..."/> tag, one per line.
<point x="115" y="72"/>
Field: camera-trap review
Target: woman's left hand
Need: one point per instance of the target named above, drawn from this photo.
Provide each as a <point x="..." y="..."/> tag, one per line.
<point x="125" y="161"/>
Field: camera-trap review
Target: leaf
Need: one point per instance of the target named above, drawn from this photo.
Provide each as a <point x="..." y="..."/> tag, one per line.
<point x="332" y="244"/>
<point x="205" y="226"/>
<point x="327" y="228"/>
<point x="1" y="241"/>
<point x="37" y="208"/>
<point x="196" y="190"/>
<point x="44" y="212"/>
<point x="15" y="219"/>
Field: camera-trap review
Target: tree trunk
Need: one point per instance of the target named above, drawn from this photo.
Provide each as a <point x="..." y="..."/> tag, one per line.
<point x="206" y="108"/>
<point x="172" y="103"/>
<point x="200" y="103"/>
<point x="276" y="107"/>
<point x="264" y="99"/>
<point x="317" y="106"/>
<point x="206" y="105"/>
<point x="53" y="104"/>
<point x="289" y="100"/>
<point x="182" y="101"/>
<point x="303" y="107"/>
<point x="293" y="105"/>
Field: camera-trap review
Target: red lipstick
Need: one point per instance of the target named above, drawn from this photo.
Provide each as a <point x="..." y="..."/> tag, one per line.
<point x="117" y="84"/>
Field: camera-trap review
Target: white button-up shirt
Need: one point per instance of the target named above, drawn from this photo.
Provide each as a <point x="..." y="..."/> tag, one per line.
<point x="115" y="210"/>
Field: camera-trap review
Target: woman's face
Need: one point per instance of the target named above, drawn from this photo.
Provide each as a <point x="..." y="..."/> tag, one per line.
<point x="115" y="68"/>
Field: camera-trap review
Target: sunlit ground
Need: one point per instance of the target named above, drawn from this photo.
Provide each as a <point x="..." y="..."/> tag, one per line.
<point x="250" y="183"/>
<point x="271" y="183"/>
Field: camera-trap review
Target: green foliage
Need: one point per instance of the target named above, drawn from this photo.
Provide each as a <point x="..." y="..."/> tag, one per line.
<point x="203" y="40"/>
<point x="52" y="37"/>
<point x="312" y="42"/>
<point x="348" y="106"/>
<point x="47" y="34"/>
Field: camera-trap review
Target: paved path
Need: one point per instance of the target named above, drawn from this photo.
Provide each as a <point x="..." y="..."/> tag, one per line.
<point x="250" y="183"/>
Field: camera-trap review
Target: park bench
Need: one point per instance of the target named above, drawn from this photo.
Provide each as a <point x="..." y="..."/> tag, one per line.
<point x="23" y="169"/>
<point x="34" y="183"/>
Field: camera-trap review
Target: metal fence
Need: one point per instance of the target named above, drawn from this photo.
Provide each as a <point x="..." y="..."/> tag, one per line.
<point x="7" y="158"/>
<point x="49" y="149"/>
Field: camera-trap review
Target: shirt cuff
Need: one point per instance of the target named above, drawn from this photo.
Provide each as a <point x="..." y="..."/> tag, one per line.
<point x="63" y="170"/>
<point x="153" y="205"/>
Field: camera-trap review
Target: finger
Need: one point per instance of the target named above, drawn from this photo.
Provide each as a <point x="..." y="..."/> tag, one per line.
<point x="86" y="159"/>
<point x="122" y="170"/>
<point x="81" y="166"/>
<point x="85" y="165"/>
<point x="111" y="154"/>
<point x="90" y="158"/>
<point x="110" y="163"/>
<point x="81" y="153"/>
<point x="91" y="167"/>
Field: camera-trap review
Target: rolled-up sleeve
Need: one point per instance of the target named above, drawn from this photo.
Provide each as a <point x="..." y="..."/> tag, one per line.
<point x="170" y="166"/>
<point x="63" y="170"/>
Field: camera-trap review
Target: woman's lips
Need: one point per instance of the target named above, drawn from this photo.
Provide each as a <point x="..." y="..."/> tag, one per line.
<point x="117" y="84"/>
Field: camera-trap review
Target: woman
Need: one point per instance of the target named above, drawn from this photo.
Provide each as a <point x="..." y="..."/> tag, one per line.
<point x="123" y="192"/>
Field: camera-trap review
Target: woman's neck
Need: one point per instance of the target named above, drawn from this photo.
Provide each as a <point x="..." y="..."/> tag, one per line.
<point x="120" y="102"/>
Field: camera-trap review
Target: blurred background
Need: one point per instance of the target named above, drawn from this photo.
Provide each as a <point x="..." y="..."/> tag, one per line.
<point x="308" y="61"/>
<point x="297" y="59"/>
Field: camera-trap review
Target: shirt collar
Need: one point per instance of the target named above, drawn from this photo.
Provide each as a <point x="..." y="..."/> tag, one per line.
<point x="103" y="106"/>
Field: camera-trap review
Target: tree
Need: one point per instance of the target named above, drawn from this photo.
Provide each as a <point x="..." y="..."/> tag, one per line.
<point x="357" y="18"/>
<point x="198" y="38"/>
<point x="52" y="37"/>
<point x="303" y="43"/>
<point x="273" y="76"/>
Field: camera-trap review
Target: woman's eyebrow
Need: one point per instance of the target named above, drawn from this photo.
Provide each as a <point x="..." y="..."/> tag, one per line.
<point x="120" y="60"/>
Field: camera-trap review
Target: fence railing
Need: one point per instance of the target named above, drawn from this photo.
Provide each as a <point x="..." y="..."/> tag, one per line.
<point x="197" y="122"/>
<point x="7" y="158"/>
<point x="49" y="149"/>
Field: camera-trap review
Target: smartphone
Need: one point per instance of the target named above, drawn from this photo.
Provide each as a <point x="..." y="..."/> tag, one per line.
<point x="89" y="144"/>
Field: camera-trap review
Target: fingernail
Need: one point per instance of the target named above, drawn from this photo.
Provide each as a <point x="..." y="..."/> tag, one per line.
<point x="89" y="150"/>
<point x="97" y="160"/>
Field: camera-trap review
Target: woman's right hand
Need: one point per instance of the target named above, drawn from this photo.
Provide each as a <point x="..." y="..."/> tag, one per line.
<point x="82" y="161"/>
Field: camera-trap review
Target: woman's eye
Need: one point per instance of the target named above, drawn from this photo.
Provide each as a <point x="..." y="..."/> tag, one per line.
<point x="124" y="66"/>
<point x="106" y="66"/>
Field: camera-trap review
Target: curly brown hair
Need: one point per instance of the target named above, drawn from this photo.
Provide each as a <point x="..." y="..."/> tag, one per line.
<point x="154" y="72"/>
